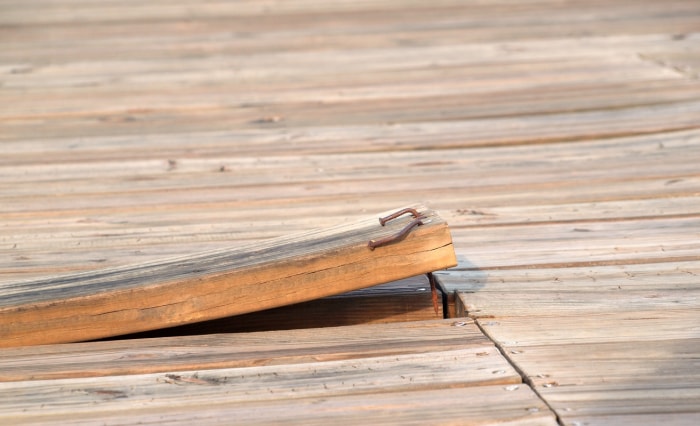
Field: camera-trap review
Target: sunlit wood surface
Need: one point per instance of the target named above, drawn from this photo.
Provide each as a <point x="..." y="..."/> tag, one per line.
<point x="560" y="141"/>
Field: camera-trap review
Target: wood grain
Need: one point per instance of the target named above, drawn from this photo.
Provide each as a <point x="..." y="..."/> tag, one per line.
<point x="422" y="371"/>
<point x="560" y="141"/>
<point x="453" y="405"/>
<point x="598" y="342"/>
<point x="398" y="301"/>
<point x="342" y="369"/>
<point x="122" y="357"/>
<point x="220" y="283"/>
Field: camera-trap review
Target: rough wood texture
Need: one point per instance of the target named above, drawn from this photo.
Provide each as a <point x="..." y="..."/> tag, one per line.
<point x="560" y="141"/>
<point x="435" y="371"/>
<point x="398" y="301"/>
<point x="601" y="344"/>
<point x="221" y="283"/>
<point x="143" y="356"/>
<point x="485" y="405"/>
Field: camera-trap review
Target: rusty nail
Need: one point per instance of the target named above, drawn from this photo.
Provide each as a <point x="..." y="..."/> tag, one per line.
<point x="373" y="244"/>
<point x="414" y="213"/>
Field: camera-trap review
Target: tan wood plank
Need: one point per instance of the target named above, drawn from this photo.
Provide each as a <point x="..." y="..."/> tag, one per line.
<point x="556" y="73"/>
<point x="420" y="360"/>
<point x="160" y="162"/>
<point x="676" y="419"/>
<point x="399" y="301"/>
<point x="381" y="362"/>
<point x="292" y="84"/>
<point x="556" y="246"/>
<point x="589" y="290"/>
<point x="448" y="369"/>
<point x="620" y="278"/>
<point x="637" y="370"/>
<point x="95" y="226"/>
<point x="597" y="343"/>
<point x="620" y="365"/>
<point x="485" y="128"/>
<point x="473" y="22"/>
<point x="204" y="352"/>
<point x="220" y="283"/>
<point x="560" y="141"/>
<point x="642" y="326"/>
<point x="487" y="405"/>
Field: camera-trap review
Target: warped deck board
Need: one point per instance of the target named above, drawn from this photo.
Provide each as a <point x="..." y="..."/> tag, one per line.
<point x="410" y="299"/>
<point x="222" y="283"/>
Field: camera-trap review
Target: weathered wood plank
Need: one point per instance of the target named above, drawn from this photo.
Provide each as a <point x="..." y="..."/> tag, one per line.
<point x="481" y="131"/>
<point x="484" y="405"/>
<point x="601" y="343"/>
<point x="624" y="364"/>
<point x="282" y="28"/>
<point x="674" y="419"/>
<point x="220" y="283"/>
<point x="154" y="163"/>
<point x="295" y="92"/>
<point x="141" y="211"/>
<point x="560" y="140"/>
<point x="203" y="352"/>
<point x="621" y="278"/>
<point x="636" y="370"/>
<point x="644" y="327"/>
<point x="384" y="362"/>
<point x="399" y="301"/>
<point x="661" y="288"/>
<point x="446" y="369"/>
<point x="432" y="361"/>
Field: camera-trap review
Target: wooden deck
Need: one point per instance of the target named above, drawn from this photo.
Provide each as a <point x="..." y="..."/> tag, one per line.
<point x="560" y="141"/>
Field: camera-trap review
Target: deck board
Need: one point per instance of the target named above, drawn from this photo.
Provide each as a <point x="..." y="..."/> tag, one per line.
<point x="232" y="281"/>
<point x="600" y="343"/>
<point x="375" y="373"/>
<point x="491" y="405"/>
<point x="235" y="350"/>
<point x="560" y="140"/>
<point x="398" y="301"/>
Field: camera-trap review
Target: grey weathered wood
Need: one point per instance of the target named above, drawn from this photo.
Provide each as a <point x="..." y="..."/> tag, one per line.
<point x="598" y="343"/>
<point x="445" y="369"/>
<point x="142" y="356"/>
<point x="488" y="405"/>
<point x="560" y="140"/>
<point x="419" y="371"/>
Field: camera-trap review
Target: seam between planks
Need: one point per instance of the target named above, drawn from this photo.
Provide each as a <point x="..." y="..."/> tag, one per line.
<point x="523" y="377"/>
<point x="611" y="262"/>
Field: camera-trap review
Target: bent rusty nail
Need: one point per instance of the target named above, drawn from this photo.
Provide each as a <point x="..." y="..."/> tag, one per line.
<point x="373" y="244"/>
<point x="414" y="213"/>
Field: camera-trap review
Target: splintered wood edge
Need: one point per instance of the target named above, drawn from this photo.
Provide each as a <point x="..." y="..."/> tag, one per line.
<point x="220" y="283"/>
